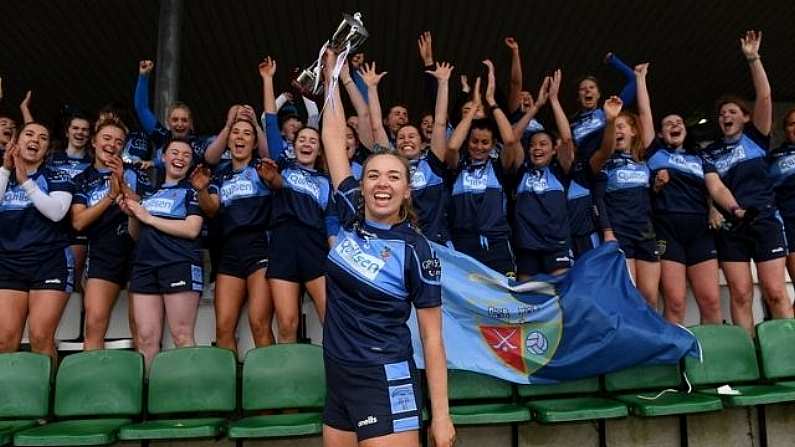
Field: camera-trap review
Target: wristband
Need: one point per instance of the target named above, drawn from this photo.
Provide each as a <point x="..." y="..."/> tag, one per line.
<point x="752" y="59"/>
<point x="493" y="108"/>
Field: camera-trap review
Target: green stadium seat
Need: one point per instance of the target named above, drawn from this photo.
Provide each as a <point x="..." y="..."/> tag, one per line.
<point x="555" y="403"/>
<point x="776" y="339"/>
<point x="25" y="391"/>
<point x="96" y="393"/>
<point x="197" y="380"/>
<point x="279" y="377"/>
<point x="646" y="382"/>
<point x="478" y="399"/>
<point x="730" y="358"/>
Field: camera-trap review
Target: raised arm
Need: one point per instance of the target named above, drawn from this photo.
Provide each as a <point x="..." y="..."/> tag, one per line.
<point x="612" y="108"/>
<point x="371" y="78"/>
<point x="146" y="117"/>
<point x="627" y="94"/>
<point x="514" y="96"/>
<point x="561" y="120"/>
<point x="364" y="130"/>
<point x="24" y="108"/>
<point x="529" y="114"/>
<point x="439" y="134"/>
<point x="763" y="103"/>
<point x="509" y="141"/>
<point x="215" y="150"/>
<point x="462" y="130"/>
<point x="333" y="129"/>
<point x="267" y="69"/>
<point x="644" y="106"/>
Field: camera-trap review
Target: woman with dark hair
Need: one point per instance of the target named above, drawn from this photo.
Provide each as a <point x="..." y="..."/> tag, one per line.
<point x="94" y="212"/>
<point x="429" y="193"/>
<point x="167" y="266"/>
<point x="478" y="208"/>
<point x="740" y="158"/>
<point x="36" y="268"/>
<point x="241" y="196"/>
<point x="301" y="225"/>
<point x="379" y="267"/>
<point x="680" y="202"/>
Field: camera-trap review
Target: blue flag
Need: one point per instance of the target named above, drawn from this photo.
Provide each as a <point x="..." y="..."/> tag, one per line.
<point x="591" y="321"/>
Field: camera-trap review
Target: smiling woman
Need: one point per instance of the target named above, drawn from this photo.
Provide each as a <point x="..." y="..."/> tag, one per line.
<point x="36" y="266"/>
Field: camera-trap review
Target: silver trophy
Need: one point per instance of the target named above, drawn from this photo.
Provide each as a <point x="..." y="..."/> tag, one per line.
<point x="350" y="35"/>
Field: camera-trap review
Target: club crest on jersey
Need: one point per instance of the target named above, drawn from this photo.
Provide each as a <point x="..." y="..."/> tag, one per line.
<point x="537" y="184"/>
<point x="386" y="253"/>
<point x="476" y="180"/>
<point x="352" y="254"/>
<point x="418" y="179"/>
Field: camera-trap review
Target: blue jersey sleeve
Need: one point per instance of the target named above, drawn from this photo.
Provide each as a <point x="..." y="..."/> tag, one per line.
<point x="192" y="205"/>
<point x="332" y="220"/>
<point x="141" y="99"/>
<point x="80" y="195"/>
<point x="360" y="85"/>
<point x="346" y="201"/>
<point x="599" y="189"/>
<point x="276" y="144"/>
<point x="423" y="274"/>
<point x="628" y="92"/>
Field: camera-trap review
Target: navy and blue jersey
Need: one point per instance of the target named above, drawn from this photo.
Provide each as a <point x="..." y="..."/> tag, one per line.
<point x="137" y="147"/>
<point x="623" y="185"/>
<point x="782" y="168"/>
<point x="245" y="198"/>
<point x="23" y="229"/>
<point x="742" y="165"/>
<point x="92" y="185"/>
<point x="580" y="202"/>
<point x="429" y="196"/>
<point x="306" y="198"/>
<point x="155" y="248"/>
<point x="686" y="192"/>
<point x="374" y="274"/>
<point x="478" y="205"/>
<point x="540" y="216"/>
<point x="61" y="161"/>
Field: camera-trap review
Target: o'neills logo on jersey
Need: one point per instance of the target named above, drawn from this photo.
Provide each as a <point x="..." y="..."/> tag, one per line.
<point x="300" y="182"/>
<point x="159" y="205"/>
<point x="237" y="188"/>
<point x="366" y="265"/>
<point x="475" y="181"/>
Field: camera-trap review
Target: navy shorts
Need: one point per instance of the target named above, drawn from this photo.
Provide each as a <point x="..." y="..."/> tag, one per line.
<point x="297" y="253"/>
<point x="48" y="271"/>
<point x="243" y="254"/>
<point x="582" y="244"/>
<point x="172" y="278"/>
<point x="643" y="249"/>
<point x="373" y="400"/>
<point x="532" y="262"/>
<point x="109" y="258"/>
<point x="761" y="240"/>
<point x="495" y="254"/>
<point x="685" y="238"/>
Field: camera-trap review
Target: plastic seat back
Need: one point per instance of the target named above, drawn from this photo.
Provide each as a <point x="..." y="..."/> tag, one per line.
<point x="100" y="383"/>
<point x="195" y="379"/>
<point x="24" y="385"/>
<point x="582" y="386"/>
<point x="644" y="377"/>
<point x="729" y="356"/>
<point x="284" y="376"/>
<point x="776" y="339"/>
<point x="463" y="385"/>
